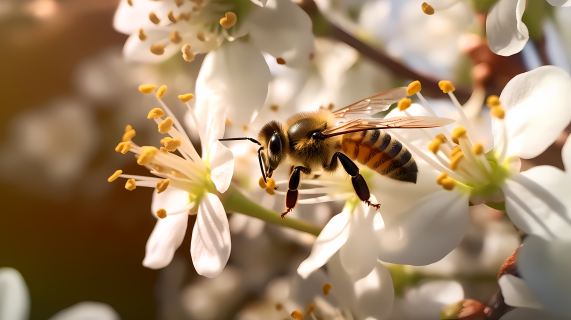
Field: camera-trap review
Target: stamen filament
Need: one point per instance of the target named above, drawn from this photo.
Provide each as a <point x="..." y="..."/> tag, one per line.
<point x="140" y="178"/>
<point x="463" y="117"/>
<point x="432" y="113"/>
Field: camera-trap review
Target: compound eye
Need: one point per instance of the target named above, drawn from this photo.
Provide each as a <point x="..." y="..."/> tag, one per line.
<point x="275" y="145"/>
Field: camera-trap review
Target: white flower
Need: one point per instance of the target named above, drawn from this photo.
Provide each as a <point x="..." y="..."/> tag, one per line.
<point x="536" y="109"/>
<point x="186" y="185"/>
<point x="426" y="300"/>
<point x="507" y="34"/>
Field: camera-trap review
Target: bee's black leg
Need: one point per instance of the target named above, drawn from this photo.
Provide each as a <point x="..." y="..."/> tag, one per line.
<point x="359" y="183"/>
<point x="292" y="194"/>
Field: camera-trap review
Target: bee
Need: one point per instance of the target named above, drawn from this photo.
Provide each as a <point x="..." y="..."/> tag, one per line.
<point x="317" y="141"/>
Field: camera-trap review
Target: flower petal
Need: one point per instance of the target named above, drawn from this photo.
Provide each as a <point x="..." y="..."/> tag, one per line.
<point x="283" y="30"/>
<point x="332" y="237"/>
<point x="545" y="267"/>
<point x="507" y="34"/>
<point x="172" y="199"/>
<point x="517" y="293"/>
<point x="560" y="3"/>
<point x="426" y="232"/>
<point x="221" y="166"/>
<point x="427" y="299"/>
<point x="140" y="51"/>
<point x="164" y="240"/>
<point x="14" y="295"/>
<point x="87" y="310"/>
<point x="530" y="314"/>
<point x="538" y="108"/>
<point x="210" y="246"/>
<point x="128" y="19"/>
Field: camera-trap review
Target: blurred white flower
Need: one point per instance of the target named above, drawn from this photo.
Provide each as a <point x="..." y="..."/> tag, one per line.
<point x="15" y="302"/>
<point x="187" y="185"/>
<point x="426" y="300"/>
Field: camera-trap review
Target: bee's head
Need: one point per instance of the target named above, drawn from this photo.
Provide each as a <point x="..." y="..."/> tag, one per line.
<point x="273" y="142"/>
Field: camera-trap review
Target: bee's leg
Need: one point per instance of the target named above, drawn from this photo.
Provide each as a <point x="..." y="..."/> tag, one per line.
<point x="292" y="194"/>
<point x="359" y="183"/>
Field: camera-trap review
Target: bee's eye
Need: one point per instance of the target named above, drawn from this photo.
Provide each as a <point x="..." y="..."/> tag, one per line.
<point x="275" y="145"/>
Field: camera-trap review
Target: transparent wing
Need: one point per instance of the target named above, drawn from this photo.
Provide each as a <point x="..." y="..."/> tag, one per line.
<point x="356" y="125"/>
<point x="374" y="104"/>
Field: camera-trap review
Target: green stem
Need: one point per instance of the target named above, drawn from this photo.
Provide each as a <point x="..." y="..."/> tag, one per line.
<point x="234" y="201"/>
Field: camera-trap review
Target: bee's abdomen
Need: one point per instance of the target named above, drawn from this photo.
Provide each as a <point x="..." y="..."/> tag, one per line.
<point x="382" y="153"/>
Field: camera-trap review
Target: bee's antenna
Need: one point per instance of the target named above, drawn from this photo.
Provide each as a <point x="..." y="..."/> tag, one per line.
<point x="259" y="152"/>
<point x="244" y="138"/>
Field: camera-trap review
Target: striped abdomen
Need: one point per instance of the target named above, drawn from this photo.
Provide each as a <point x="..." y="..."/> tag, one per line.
<point x="382" y="153"/>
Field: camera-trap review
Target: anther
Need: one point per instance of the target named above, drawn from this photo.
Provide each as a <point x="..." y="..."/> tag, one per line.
<point x="427" y="9"/>
<point x="279" y="306"/>
<point x="129" y="135"/>
<point x="404" y="104"/>
<point x="124" y="147"/>
<point x="280" y="61"/>
<point x="228" y="122"/>
<point x="455" y="160"/>
<point x="166" y="125"/>
<point x="498" y="112"/>
<point x="434" y="145"/>
<point x="478" y="148"/>
<point x="172" y="144"/>
<point x="128" y="127"/>
<point x="175" y="38"/>
<point x="457" y="133"/>
<point x="154" y="19"/>
<point x="142" y="35"/>
<point x="130" y="2"/>
<point x="229" y="20"/>
<point x="161" y="91"/>
<point x="171" y="17"/>
<point x="262" y="183"/>
<point x="187" y="55"/>
<point x="186" y="97"/>
<point x="162" y="213"/>
<point x="274" y="107"/>
<point x="147" y="88"/>
<point x="157" y="49"/>
<point x="446" y="86"/>
<point x="163" y="185"/>
<point x="200" y="36"/>
<point x="155" y="113"/>
<point x="147" y="156"/>
<point x="441" y="178"/>
<point x="310" y="308"/>
<point x="493" y="101"/>
<point x="179" y="3"/>
<point x="130" y="185"/>
<point x="413" y="88"/>
<point x="114" y="176"/>
<point x="441" y="137"/>
<point x="455" y="151"/>
<point x="297" y="315"/>
<point x="245" y="128"/>
<point x="448" y="184"/>
<point x="326" y="288"/>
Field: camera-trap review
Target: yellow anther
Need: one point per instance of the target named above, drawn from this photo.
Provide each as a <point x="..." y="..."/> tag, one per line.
<point x="478" y="148"/>
<point x="280" y="61"/>
<point x="262" y="183"/>
<point x="158" y="49"/>
<point x="200" y="36"/>
<point x="172" y="144"/>
<point x="455" y="151"/>
<point x="171" y="17"/>
<point x="441" y="137"/>
<point x="147" y="88"/>
<point x="271" y="183"/>
<point x="147" y="156"/>
<point x="158" y="168"/>
<point x="187" y="55"/>
<point x="326" y="288"/>
<point x="310" y="308"/>
<point x="427" y="9"/>
<point x="128" y="127"/>
<point x="229" y="20"/>
<point x="228" y="122"/>
<point x="130" y="2"/>
<point x="154" y="19"/>
<point x="166" y="125"/>
<point x="129" y="135"/>
<point x="161" y="91"/>
<point x="448" y="183"/>
<point x="413" y="88"/>
<point x="274" y="107"/>
<point x="114" y="176"/>
<point x="297" y="315"/>
<point x="457" y="133"/>
<point x="493" y="101"/>
<point x="163" y="185"/>
<point x="279" y="306"/>
<point x="441" y="178"/>
<point x="156" y="113"/>
<point x="446" y="86"/>
<point x="245" y="128"/>
<point x="130" y="185"/>
<point x="498" y="112"/>
<point x="455" y="160"/>
<point x="404" y="104"/>
<point x="162" y="213"/>
<point x="434" y="145"/>
<point x="331" y="106"/>
<point x="124" y="147"/>
<point x="186" y="97"/>
<point x="175" y="37"/>
<point x="179" y="3"/>
<point x="142" y="35"/>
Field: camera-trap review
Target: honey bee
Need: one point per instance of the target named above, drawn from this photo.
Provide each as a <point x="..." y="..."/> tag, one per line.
<point x="317" y="141"/>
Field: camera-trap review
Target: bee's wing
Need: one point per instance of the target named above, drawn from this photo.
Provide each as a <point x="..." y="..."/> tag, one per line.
<point x="374" y="104"/>
<point x="396" y="122"/>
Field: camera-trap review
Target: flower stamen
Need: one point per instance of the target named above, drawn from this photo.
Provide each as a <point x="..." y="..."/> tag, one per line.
<point x="166" y="125"/>
<point x="114" y="176"/>
<point x="229" y="20"/>
<point x="147" y="156"/>
<point x="155" y="113"/>
<point x="326" y="288"/>
<point x="162" y="185"/>
<point x="130" y="185"/>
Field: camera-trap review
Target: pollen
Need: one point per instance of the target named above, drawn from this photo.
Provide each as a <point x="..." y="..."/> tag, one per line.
<point x="155" y="113"/>
<point x="427" y="9"/>
<point x="297" y="315"/>
<point x="498" y="112"/>
<point x="326" y="288"/>
<point x="229" y="20"/>
<point x="163" y="185"/>
<point x="493" y="101"/>
<point x="172" y="144"/>
<point x="130" y="134"/>
<point x="448" y="184"/>
<point x="455" y="160"/>
<point x="128" y="127"/>
<point x="269" y="187"/>
<point x="478" y="148"/>
<point x="200" y="36"/>
<point x="124" y="147"/>
<point x="457" y="133"/>
<point x="274" y="107"/>
<point x="175" y="38"/>
<point x="162" y="213"/>
<point x="280" y="61"/>
<point x="171" y="17"/>
<point x="157" y="49"/>
<point x="187" y="55"/>
<point x="130" y="2"/>
<point x="166" y="125"/>
<point x="142" y="35"/>
<point x="279" y="306"/>
<point x="446" y="86"/>
<point x="310" y="308"/>
<point x="147" y="88"/>
<point x="130" y="185"/>
<point x="413" y="88"/>
<point x="455" y="151"/>
<point x="245" y="128"/>
<point x="114" y="176"/>
<point x="441" y="178"/>
<point x="228" y="122"/>
<point x="161" y="91"/>
<point x="179" y="3"/>
<point x="434" y="145"/>
<point x="154" y="19"/>
<point x="186" y="97"/>
<point x="147" y="156"/>
<point x="404" y="104"/>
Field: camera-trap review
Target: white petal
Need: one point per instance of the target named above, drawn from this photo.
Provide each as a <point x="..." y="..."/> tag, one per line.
<point x="560" y="3"/>
<point x="283" y="30"/>
<point x="14" y="295"/>
<point x="172" y="199"/>
<point x="426" y="232"/>
<point x="210" y="246"/>
<point x="545" y="267"/>
<point x="221" y="166"/>
<point x="128" y="19"/>
<point x="87" y="310"/>
<point x="164" y="240"/>
<point x="427" y="299"/>
<point x="260" y="3"/>
<point x="538" y="108"/>
<point x="517" y="293"/>
<point x="359" y="253"/>
<point x="533" y="208"/>
<point x="507" y="35"/>
<point x="140" y="51"/>
<point x="332" y="237"/>
<point x="530" y="314"/>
